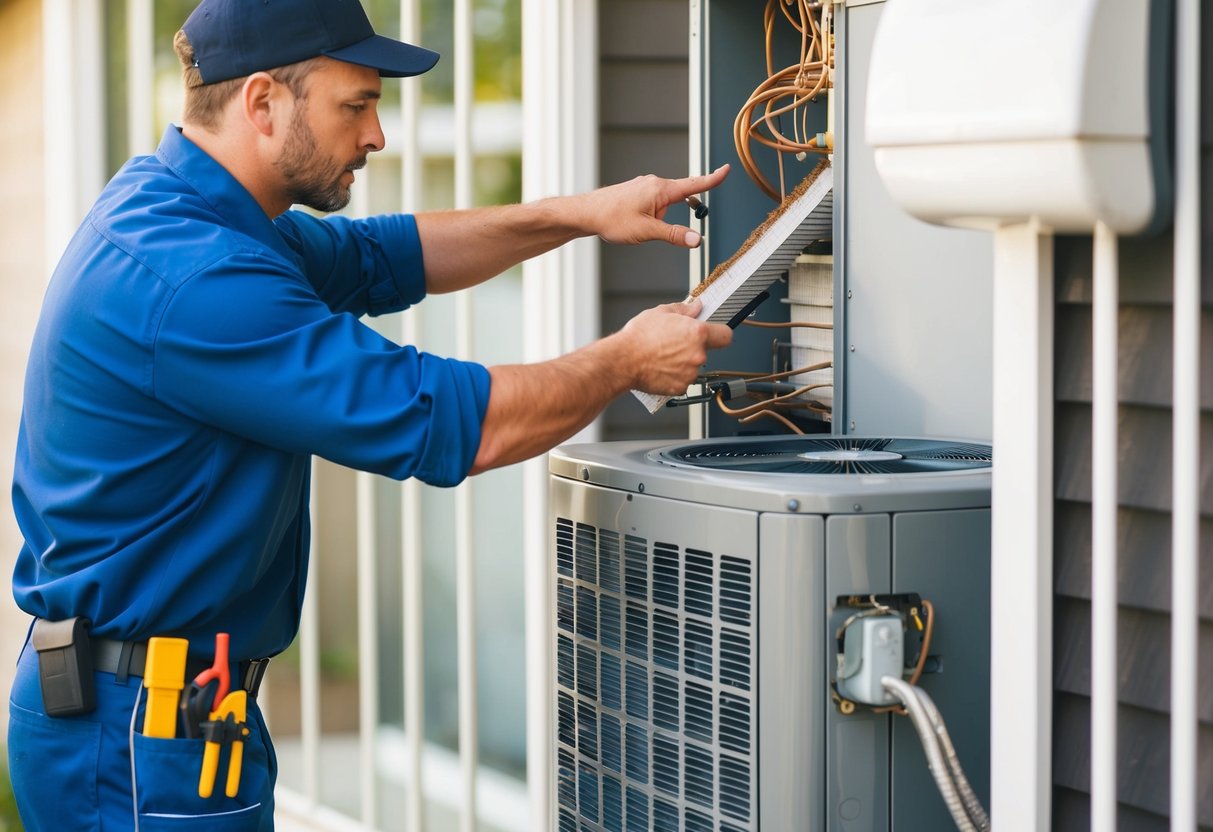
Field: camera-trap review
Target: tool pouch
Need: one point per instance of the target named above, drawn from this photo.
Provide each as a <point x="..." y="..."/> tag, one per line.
<point x="65" y="666"/>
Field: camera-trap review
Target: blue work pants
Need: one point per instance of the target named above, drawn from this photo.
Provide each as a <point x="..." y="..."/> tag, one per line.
<point x="75" y="773"/>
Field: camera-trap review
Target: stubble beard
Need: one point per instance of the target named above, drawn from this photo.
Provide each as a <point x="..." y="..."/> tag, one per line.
<point x="312" y="179"/>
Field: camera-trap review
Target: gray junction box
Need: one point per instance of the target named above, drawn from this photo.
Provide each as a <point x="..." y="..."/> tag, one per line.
<point x="697" y="597"/>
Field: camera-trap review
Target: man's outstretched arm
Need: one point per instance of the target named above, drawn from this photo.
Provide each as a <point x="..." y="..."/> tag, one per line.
<point x="534" y="407"/>
<point x="464" y="248"/>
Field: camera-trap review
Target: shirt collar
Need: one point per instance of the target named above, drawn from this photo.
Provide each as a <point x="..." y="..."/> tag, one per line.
<point x="220" y="189"/>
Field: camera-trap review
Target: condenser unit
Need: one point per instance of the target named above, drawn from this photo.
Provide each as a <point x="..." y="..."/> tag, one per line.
<point x="699" y="593"/>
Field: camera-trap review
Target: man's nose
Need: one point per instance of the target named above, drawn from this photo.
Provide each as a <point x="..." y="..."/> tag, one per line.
<point x="374" y="140"/>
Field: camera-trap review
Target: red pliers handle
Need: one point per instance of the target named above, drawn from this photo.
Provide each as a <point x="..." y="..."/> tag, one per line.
<point x="220" y="670"/>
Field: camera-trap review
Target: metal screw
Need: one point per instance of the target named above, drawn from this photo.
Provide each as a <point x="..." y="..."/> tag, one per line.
<point x="852" y="348"/>
<point x="640" y="488"/>
<point x="852" y="424"/>
<point x="850" y="294"/>
<point x="793" y="505"/>
<point x="856" y="507"/>
<point x="585" y="473"/>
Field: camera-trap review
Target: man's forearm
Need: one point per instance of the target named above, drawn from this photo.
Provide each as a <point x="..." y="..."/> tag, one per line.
<point x="534" y="407"/>
<point x="466" y="248"/>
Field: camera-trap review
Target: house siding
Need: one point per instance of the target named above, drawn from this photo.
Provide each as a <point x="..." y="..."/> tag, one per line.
<point x="1144" y="523"/>
<point x="643" y="123"/>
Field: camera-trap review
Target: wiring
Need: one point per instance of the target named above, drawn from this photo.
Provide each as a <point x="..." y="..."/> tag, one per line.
<point x="788" y="423"/>
<point x="808" y="368"/>
<point x="765" y="403"/>
<point x="765" y="407"/>
<point x="787" y="91"/>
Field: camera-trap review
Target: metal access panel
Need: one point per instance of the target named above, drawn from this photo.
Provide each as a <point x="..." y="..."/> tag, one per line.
<point x="913" y="301"/>
<point x="918" y="297"/>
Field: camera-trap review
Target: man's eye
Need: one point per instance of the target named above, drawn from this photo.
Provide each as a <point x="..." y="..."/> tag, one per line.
<point x="357" y="108"/>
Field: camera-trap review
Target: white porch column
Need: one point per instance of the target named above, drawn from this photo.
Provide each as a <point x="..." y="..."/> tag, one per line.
<point x="1021" y="611"/>
<point x="560" y="306"/>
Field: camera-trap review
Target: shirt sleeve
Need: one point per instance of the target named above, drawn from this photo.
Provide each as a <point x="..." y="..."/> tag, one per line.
<point x="366" y="266"/>
<point x="249" y="347"/>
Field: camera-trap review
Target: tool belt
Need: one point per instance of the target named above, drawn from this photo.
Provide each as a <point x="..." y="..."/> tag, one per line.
<point x="68" y="655"/>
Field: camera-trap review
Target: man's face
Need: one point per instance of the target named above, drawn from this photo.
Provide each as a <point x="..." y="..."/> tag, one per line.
<point x="335" y="124"/>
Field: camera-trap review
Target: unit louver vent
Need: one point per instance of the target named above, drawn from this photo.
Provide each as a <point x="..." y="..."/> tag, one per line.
<point x="654" y="662"/>
<point x="829" y="455"/>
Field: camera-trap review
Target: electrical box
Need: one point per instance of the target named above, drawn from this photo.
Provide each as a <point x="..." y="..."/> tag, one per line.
<point x="970" y="128"/>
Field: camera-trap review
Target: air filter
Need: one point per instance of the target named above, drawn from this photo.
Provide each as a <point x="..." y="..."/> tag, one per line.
<point x="806" y="215"/>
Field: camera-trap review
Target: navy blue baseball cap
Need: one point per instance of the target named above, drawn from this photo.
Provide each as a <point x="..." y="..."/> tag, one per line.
<point x="234" y="38"/>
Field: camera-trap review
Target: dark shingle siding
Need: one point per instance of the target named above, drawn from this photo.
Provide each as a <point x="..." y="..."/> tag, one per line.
<point x="1143" y="525"/>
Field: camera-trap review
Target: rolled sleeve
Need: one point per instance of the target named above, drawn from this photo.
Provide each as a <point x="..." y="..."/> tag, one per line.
<point x="456" y="394"/>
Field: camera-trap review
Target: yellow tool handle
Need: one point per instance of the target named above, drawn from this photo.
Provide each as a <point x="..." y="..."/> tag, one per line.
<point x="210" y="767"/>
<point x="233" y="768"/>
<point x="164" y="677"/>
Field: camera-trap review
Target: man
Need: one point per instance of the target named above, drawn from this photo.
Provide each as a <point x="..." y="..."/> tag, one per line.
<point x="199" y="342"/>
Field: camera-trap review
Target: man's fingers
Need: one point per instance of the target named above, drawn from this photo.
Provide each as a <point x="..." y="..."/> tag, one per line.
<point x="680" y="235"/>
<point x="689" y="307"/>
<point x="719" y="335"/>
<point x="693" y="185"/>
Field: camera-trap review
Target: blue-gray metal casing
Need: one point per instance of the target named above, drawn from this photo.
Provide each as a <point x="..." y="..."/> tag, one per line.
<point x="695" y="624"/>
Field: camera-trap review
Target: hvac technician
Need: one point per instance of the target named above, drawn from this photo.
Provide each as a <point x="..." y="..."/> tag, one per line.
<point x="198" y="343"/>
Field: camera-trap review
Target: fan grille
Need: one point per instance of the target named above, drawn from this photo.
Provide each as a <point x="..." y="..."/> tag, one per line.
<point x="831" y="455"/>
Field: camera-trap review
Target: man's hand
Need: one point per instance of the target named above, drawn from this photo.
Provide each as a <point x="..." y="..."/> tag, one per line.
<point x="632" y="211"/>
<point x="534" y="407"/>
<point x="668" y="346"/>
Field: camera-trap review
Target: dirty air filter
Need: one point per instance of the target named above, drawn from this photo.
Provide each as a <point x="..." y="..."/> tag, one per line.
<point x="694" y="586"/>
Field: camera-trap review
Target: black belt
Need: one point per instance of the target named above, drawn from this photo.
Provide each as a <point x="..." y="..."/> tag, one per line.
<point x="127" y="658"/>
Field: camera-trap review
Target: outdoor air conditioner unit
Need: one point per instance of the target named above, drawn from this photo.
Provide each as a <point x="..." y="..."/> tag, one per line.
<point x="699" y="591"/>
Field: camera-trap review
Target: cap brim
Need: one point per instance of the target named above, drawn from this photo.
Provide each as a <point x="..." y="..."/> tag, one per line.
<point x="393" y="58"/>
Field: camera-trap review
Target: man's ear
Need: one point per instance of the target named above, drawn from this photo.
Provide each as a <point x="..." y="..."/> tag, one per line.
<point x="258" y="100"/>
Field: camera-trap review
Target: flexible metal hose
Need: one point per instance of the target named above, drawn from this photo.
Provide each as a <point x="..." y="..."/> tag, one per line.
<point x="972" y="804"/>
<point x="940" y="769"/>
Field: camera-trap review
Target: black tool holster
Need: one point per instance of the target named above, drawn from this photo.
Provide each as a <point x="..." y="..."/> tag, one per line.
<point x="65" y="666"/>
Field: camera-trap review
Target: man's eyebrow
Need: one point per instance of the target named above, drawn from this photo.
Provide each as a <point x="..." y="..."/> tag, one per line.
<point x="374" y="94"/>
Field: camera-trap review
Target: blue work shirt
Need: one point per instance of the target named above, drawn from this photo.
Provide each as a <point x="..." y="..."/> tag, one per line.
<point x="190" y="357"/>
